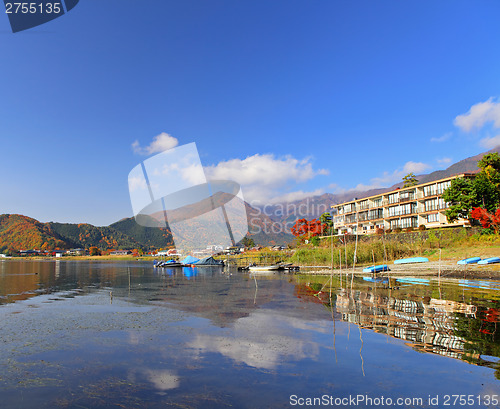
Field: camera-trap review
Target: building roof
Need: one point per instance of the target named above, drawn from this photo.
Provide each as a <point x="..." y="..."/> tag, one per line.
<point x="403" y="189"/>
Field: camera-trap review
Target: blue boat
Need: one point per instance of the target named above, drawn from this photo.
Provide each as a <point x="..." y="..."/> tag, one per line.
<point x="470" y="260"/>
<point x="189" y="260"/>
<point x="411" y="260"/>
<point x="376" y="269"/>
<point x="490" y="260"/>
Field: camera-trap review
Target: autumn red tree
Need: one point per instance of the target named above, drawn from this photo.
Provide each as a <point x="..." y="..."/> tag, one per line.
<point x="305" y="228"/>
<point x="486" y="218"/>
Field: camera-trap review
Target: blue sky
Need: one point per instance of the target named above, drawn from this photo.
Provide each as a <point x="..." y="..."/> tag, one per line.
<point x="287" y="97"/>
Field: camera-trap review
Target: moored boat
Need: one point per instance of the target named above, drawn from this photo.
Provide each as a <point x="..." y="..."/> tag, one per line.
<point x="470" y="260"/>
<point x="491" y="260"/>
<point x="274" y="267"/>
<point x="190" y="261"/>
<point x="411" y="260"/>
<point x="376" y="269"/>
<point x="209" y="261"/>
<point x="169" y="263"/>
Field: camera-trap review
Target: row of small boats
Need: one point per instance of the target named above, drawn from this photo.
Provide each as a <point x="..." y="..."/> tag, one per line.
<point x="190" y="261"/>
<point x="470" y="260"/>
<point x="477" y="260"/>
<point x="385" y="267"/>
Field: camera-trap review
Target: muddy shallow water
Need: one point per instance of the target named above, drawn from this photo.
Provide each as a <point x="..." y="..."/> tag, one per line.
<point x="116" y="334"/>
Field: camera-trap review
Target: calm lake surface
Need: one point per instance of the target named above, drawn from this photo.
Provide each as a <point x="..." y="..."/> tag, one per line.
<point x="78" y="334"/>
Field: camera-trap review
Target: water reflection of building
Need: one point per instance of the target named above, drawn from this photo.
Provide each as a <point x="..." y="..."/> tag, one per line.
<point x="429" y="324"/>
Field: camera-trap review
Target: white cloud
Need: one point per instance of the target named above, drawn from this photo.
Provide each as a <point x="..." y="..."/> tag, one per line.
<point x="478" y="115"/>
<point x="390" y="178"/>
<point x="443" y="161"/>
<point x="160" y="143"/>
<point x="297" y="195"/>
<point x="397" y="175"/>
<point x="443" y="138"/>
<point x="490" y="143"/>
<point x="137" y="183"/>
<point x="263" y="177"/>
<point x="249" y="344"/>
<point x="163" y="379"/>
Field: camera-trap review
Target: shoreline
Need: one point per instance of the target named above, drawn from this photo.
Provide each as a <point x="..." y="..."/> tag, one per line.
<point x="444" y="269"/>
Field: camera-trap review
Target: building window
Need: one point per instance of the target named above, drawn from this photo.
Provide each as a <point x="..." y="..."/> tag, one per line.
<point x="435" y="204"/>
<point x="441" y="187"/>
<point x="404" y="223"/>
<point x="430" y="190"/>
<point x="401" y="210"/>
<point x="393" y="198"/>
<point x="406" y="196"/>
<point x="434" y="217"/>
<point x="363" y="205"/>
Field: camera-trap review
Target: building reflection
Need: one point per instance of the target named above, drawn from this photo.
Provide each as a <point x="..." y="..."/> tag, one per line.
<point x="459" y="330"/>
<point x="428" y="325"/>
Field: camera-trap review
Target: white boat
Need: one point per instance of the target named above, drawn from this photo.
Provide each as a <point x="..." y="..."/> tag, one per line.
<point x="274" y="267"/>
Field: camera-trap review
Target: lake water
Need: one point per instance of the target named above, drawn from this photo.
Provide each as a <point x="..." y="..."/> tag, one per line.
<point x="78" y="334"/>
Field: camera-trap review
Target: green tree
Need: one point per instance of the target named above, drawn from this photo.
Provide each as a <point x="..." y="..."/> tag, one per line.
<point x="482" y="191"/>
<point x="410" y="180"/>
<point x="461" y="195"/>
<point x="315" y="241"/>
<point x="326" y="218"/>
<point x="491" y="161"/>
<point x="248" y="242"/>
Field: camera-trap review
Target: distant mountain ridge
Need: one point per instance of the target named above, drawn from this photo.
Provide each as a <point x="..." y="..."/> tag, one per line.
<point x="268" y="225"/>
<point x="314" y="206"/>
<point x="18" y="232"/>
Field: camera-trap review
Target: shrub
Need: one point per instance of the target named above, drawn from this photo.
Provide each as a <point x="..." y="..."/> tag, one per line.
<point x="422" y="227"/>
<point x="379" y="231"/>
<point x="409" y="229"/>
<point x="315" y="241"/>
<point x="388" y="231"/>
<point x="398" y="230"/>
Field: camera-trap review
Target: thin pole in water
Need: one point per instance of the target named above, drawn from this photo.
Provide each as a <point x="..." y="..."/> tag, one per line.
<point x="439" y="273"/>
<point x="340" y="267"/>
<point x="356" y="245"/>
<point x="373" y="257"/>
<point x="331" y="239"/>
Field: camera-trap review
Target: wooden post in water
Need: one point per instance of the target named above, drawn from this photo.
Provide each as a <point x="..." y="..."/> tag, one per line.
<point x="331" y="240"/>
<point x="439" y="273"/>
<point x="340" y="267"/>
<point x="345" y="251"/>
<point x="373" y="257"/>
<point x="356" y="245"/>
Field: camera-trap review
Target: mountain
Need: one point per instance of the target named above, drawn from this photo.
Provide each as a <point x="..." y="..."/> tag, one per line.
<point x="85" y="235"/>
<point x="19" y="232"/>
<point x="147" y="236"/>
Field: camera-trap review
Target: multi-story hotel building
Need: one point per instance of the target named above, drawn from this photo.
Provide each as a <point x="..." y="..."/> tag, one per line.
<point x="413" y="206"/>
